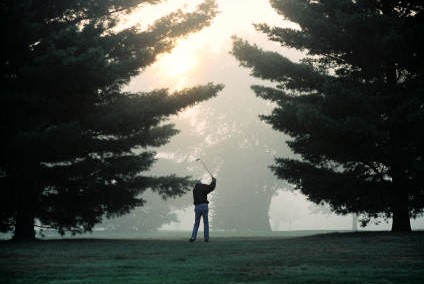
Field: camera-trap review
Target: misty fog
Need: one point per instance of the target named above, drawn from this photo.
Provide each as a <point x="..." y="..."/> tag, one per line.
<point x="228" y="135"/>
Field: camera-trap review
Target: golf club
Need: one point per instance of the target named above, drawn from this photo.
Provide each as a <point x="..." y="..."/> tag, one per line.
<point x="206" y="168"/>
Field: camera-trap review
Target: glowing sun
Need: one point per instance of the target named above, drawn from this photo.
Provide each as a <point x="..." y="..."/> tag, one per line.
<point x="178" y="65"/>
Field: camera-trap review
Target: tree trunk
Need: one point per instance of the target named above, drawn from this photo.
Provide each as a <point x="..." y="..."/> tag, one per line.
<point x="401" y="221"/>
<point x="354" y="222"/>
<point x="24" y="227"/>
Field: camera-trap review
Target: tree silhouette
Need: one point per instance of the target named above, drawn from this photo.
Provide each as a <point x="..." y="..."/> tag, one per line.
<point x="353" y="105"/>
<point x="75" y="147"/>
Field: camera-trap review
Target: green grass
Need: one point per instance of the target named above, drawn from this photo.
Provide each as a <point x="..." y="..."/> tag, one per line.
<point x="329" y="258"/>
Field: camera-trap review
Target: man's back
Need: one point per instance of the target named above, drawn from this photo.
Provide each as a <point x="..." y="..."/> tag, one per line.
<point x="201" y="191"/>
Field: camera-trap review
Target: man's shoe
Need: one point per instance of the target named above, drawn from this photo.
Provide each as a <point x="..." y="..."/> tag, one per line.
<point x="206" y="240"/>
<point x="191" y="240"/>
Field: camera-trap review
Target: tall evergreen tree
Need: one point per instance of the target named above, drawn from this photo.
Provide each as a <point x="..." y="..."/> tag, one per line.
<point x="75" y="147"/>
<point x="354" y="105"/>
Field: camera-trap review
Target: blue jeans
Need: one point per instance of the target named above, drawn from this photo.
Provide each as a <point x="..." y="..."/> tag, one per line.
<point x="201" y="210"/>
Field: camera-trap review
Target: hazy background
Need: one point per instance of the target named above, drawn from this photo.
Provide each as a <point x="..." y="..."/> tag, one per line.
<point x="226" y="132"/>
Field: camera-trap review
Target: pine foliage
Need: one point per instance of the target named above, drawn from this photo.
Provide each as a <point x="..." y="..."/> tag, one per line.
<point x="75" y="147"/>
<point x="353" y="105"/>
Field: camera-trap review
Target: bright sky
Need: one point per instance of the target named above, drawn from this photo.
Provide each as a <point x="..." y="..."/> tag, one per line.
<point x="177" y="69"/>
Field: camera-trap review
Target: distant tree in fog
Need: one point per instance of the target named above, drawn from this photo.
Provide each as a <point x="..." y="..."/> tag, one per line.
<point x="238" y="148"/>
<point x="353" y="105"/>
<point x="147" y="218"/>
<point x="75" y="147"/>
<point x="246" y="185"/>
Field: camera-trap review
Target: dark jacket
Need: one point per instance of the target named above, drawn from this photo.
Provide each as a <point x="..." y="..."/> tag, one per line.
<point x="201" y="191"/>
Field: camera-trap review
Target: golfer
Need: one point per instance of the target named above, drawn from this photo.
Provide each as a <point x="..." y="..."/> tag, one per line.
<point x="201" y="208"/>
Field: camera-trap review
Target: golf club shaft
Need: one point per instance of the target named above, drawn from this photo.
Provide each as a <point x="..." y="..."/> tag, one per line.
<point x="206" y="168"/>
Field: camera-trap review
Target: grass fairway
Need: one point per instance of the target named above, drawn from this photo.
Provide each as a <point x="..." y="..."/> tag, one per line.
<point x="330" y="258"/>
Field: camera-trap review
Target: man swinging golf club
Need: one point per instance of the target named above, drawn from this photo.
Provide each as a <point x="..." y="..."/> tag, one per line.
<point x="201" y="208"/>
